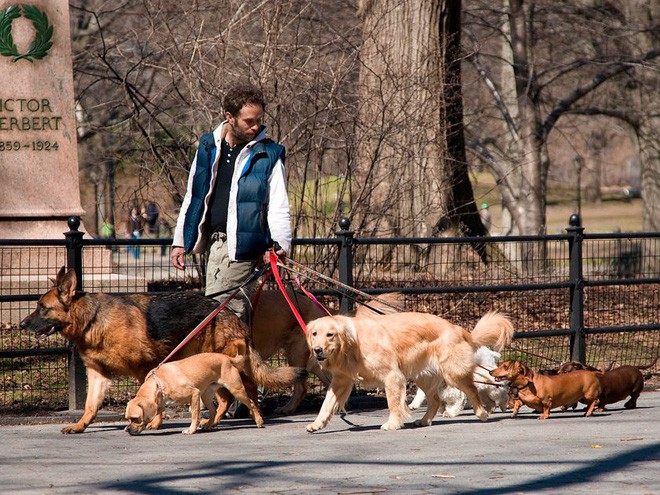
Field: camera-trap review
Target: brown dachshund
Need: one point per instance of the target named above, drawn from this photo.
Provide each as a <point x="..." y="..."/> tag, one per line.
<point x="618" y="384"/>
<point x="543" y="393"/>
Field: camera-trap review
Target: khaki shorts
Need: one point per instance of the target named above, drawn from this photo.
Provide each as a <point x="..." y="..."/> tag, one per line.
<point x="223" y="274"/>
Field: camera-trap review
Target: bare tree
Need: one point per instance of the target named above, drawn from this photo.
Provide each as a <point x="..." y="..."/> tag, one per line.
<point x="410" y="177"/>
<point x="540" y="61"/>
<point x="150" y="77"/>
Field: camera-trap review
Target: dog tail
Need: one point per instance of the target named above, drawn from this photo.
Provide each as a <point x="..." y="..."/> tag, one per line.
<point x="271" y="377"/>
<point x="239" y="360"/>
<point x="493" y="330"/>
<point x="647" y="366"/>
<point x="390" y="302"/>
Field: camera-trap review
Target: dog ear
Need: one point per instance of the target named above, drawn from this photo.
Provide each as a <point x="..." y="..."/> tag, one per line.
<point x="59" y="277"/>
<point x="134" y="410"/>
<point x="149" y="409"/>
<point x="525" y="371"/>
<point x="348" y="341"/>
<point x="66" y="285"/>
<point x="308" y="336"/>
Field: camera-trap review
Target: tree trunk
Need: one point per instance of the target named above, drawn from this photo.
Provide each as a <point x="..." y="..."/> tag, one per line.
<point x="462" y="209"/>
<point x="401" y="181"/>
<point x="412" y="165"/>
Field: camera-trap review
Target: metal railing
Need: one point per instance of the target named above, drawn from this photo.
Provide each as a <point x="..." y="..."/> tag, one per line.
<point x="575" y="296"/>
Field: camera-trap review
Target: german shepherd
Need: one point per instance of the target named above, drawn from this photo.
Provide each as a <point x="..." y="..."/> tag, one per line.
<point x="128" y="335"/>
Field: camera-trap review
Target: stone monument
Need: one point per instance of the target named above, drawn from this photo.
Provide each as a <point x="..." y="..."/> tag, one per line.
<point x="39" y="184"/>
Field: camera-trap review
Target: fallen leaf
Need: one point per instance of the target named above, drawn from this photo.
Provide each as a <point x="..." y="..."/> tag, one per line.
<point x="447" y="476"/>
<point x="596" y="446"/>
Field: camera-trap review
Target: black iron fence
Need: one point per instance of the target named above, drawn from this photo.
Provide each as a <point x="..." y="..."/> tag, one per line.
<point x="573" y="296"/>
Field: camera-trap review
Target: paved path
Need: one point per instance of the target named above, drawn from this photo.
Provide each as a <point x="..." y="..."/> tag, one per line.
<point x="613" y="452"/>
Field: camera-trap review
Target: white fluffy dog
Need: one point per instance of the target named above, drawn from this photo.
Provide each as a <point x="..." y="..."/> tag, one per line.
<point x="455" y="401"/>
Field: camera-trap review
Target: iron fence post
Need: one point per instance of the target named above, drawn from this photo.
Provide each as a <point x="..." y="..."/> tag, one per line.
<point x="77" y="375"/>
<point x="578" y="336"/>
<point x="345" y="261"/>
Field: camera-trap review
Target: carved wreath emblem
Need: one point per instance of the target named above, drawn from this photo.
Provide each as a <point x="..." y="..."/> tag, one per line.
<point x="42" y="42"/>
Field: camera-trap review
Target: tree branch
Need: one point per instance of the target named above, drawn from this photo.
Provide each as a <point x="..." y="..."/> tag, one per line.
<point x="564" y="105"/>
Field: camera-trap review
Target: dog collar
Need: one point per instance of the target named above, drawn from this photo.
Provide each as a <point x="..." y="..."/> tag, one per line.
<point x="159" y="384"/>
<point x="520" y="388"/>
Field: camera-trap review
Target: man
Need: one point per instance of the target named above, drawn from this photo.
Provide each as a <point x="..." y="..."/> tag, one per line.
<point x="236" y="206"/>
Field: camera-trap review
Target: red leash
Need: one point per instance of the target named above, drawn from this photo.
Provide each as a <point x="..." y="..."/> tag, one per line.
<point x="276" y="273"/>
<point x="201" y="326"/>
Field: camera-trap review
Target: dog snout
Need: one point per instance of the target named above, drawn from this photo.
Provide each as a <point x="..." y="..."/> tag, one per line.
<point x="133" y="430"/>
<point x="318" y="352"/>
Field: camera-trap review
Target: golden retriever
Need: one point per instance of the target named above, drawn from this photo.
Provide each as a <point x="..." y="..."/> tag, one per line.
<point x="388" y="350"/>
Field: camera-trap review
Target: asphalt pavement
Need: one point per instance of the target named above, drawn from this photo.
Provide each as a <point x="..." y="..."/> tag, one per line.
<point x="616" y="451"/>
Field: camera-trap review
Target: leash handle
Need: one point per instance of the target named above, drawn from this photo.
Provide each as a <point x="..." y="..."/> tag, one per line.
<point x="276" y="273"/>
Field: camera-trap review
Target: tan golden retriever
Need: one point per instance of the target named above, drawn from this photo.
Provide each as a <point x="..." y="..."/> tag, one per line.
<point x="388" y="350"/>
<point x="275" y="328"/>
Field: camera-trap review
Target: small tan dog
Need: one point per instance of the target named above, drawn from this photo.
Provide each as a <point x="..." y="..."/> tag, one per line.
<point x="186" y="382"/>
<point x="544" y="392"/>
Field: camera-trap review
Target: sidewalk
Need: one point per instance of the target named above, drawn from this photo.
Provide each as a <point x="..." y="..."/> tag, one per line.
<point x="615" y="452"/>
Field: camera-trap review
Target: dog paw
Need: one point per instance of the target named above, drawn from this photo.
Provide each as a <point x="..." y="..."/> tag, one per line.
<point x="418" y="423"/>
<point x="483" y="415"/>
<point x="284" y="411"/>
<point x="73" y="429"/>
<point x="311" y="428"/>
<point x="391" y="426"/>
<point x="206" y="424"/>
<point x="189" y="431"/>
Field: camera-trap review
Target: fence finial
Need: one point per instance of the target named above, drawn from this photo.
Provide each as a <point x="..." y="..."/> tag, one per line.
<point x="73" y="223"/>
<point x="575" y="220"/>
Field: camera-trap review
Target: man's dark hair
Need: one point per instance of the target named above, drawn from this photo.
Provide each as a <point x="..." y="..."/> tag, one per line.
<point x="242" y="94"/>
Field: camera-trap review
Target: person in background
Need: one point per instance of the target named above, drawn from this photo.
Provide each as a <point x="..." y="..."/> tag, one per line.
<point x="134" y="230"/>
<point x="484" y="214"/>
<point x="107" y="231"/>
<point x="150" y="216"/>
<point x="236" y="206"/>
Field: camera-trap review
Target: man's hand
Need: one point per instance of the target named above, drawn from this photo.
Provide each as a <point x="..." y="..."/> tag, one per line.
<point x="178" y="257"/>
<point x="280" y="254"/>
